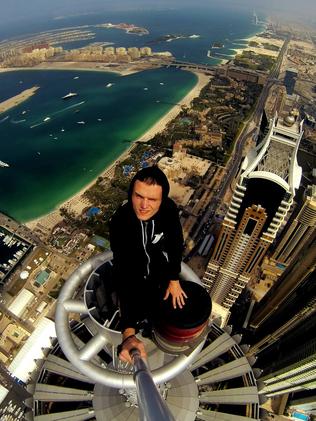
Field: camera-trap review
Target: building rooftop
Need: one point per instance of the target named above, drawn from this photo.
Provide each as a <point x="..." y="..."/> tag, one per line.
<point x="21" y="301"/>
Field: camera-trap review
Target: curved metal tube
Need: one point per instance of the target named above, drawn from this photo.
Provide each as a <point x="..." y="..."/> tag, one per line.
<point x="66" y="303"/>
<point x="151" y="405"/>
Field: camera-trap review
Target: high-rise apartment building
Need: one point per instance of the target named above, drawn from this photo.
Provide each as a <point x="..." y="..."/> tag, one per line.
<point x="289" y="246"/>
<point x="298" y="231"/>
<point x="284" y="325"/>
<point x="287" y="355"/>
<point x="13" y="395"/>
<point x="262" y="198"/>
<point x="289" y="80"/>
<point x="289" y="302"/>
<point x="289" y="366"/>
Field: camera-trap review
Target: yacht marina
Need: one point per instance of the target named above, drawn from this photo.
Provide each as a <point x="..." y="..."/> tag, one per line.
<point x="12" y="249"/>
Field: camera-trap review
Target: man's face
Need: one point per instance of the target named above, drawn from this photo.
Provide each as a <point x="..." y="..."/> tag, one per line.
<point x="146" y="199"/>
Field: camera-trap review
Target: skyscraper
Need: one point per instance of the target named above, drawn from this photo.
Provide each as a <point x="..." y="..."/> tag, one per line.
<point x="293" y="295"/>
<point x="289" y="80"/>
<point x="259" y="208"/>
<point x="299" y="230"/>
<point x="12" y="396"/>
<point x="284" y="336"/>
<point x="290" y="364"/>
<point x="213" y="379"/>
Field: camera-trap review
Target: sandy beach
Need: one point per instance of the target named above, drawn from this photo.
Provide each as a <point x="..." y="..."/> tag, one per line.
<point x="78" y="202"/>
<point x="260" y="49"/>
<point x="91" y="66"/>
<point x="17" y="99"/>
<point x="161" y="124"/>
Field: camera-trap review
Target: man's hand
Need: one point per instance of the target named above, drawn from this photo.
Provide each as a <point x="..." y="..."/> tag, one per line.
<point x="177" y="293"/>
<point x="129" y="342"/>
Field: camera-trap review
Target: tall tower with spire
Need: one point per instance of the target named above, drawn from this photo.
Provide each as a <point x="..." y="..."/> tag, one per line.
<point x="259" y="208"/>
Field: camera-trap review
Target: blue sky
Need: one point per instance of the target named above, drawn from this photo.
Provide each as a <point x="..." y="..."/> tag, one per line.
<point x="13" y="11"/>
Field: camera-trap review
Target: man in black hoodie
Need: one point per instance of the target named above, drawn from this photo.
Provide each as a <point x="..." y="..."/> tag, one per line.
<point x="147" y="243"/>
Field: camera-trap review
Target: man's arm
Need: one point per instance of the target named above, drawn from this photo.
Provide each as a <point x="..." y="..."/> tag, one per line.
<point x="122" y="264"/>
<point x="125" y="290"/>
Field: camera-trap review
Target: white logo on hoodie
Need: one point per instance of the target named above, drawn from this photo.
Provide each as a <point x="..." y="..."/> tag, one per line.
<point x="157" y="237"/>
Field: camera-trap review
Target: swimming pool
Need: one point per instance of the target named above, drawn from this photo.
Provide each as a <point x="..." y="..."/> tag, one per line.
<point x="300" y="416"/>
<point x="42" y="277"/>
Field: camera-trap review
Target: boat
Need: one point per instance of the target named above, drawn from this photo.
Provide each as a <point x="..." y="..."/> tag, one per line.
<point x="69" y="95"/>
<point x="109" y="85"/>
<point x="81" y="122"/>
<point x="4" y="164"/>
<point x="4" y="119"/>
<point x="46" y="118"/>
<point x="18" y="121"/>
<point x="76" y="77"/>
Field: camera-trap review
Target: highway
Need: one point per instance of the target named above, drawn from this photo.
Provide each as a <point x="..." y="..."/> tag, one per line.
<point x="207" y="69"/>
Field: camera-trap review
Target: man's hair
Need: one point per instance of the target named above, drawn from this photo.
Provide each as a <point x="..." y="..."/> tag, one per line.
<point x="152" y="176"/>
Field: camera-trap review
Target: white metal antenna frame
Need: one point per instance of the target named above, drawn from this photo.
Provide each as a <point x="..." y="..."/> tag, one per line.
<point x="84" y="358"/>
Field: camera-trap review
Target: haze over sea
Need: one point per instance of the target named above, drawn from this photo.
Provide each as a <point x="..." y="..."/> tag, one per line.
<point x="51" y="160"/>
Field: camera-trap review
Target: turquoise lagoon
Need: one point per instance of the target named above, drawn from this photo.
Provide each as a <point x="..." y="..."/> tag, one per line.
<point x="55" y="147"/>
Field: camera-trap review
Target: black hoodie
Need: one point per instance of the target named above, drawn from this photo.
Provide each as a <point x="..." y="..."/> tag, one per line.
<point x="147" y="255"/>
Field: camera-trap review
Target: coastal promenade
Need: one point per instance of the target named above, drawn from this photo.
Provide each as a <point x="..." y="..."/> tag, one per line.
<point x="77" y="203"/>
<point x="17" y="99"/>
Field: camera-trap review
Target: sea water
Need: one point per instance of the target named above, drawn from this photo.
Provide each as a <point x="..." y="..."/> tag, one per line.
<point x="55" y="147"/>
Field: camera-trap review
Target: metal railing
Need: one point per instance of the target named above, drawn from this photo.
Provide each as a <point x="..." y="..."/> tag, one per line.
<point x="83" y="358"/>
<point x="151" y="405"/>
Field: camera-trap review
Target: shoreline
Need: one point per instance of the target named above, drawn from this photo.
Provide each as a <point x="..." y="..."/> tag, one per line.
<point x="239" y="50"/>
<point x="89" y="66"/>
<point x="17" y="99"/>
<point x="78" y="202"/>
<point x="260" y="50"/>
